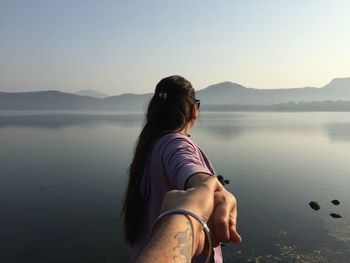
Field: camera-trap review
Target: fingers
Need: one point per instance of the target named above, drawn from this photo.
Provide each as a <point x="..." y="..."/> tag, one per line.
<point x="209" y="200"/>
<point x="221" y="218"/>
<point x="224" y="218"/>
<point x="234" y="236"/>
<point x="215" y="242"/>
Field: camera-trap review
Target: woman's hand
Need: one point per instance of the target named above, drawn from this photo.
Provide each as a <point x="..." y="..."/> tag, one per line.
<point x="223" y="220"/>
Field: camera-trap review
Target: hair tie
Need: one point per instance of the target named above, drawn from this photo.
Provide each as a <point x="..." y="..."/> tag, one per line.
<point x="163" y="95"/>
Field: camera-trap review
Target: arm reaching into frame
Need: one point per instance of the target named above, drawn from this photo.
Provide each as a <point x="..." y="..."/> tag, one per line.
<point x="177" y="238"/>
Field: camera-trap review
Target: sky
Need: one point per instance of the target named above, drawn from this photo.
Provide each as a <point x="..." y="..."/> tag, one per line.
<point x="117" y="47"/>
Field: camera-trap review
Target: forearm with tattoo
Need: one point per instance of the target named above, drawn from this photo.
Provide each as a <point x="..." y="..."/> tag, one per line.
<point x="183" y="250"/>
<point x="172" y="241"/>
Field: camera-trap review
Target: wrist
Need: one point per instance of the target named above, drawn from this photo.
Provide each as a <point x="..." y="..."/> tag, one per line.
<point x="190" y="230"/>
<point x="196" y="229"/>
<point x="196" y="179"/>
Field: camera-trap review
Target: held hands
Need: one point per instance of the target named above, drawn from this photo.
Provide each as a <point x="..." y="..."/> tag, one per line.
<point x="211" y="202"/>
<point x="223" y="221"/>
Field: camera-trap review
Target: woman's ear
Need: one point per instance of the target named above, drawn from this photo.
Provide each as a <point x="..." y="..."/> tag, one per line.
<point x="194" y="113"/>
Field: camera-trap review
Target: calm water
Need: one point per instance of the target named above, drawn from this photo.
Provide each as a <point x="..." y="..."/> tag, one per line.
<point x="62" y="178"/>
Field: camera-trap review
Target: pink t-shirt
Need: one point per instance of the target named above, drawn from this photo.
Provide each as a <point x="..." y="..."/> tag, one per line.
<point x="174" y="158"/>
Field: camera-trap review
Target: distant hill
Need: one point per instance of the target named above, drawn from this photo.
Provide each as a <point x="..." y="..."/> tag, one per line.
<point x="221" y="96"/>
<point x="229" y="93"/>
<point x="128" y="101"/>
<point x="91" y="93"/>
<point x="289" y="106"/>
<point x="46" y="100"/>
<point x="339" y="84"/>
<point x="56" y="100"/>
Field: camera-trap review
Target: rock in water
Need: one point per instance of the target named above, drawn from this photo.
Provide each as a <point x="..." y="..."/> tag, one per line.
<point x="335" y="202"/>
<point x="334" y="215"/>
<point x="314" y="205"/>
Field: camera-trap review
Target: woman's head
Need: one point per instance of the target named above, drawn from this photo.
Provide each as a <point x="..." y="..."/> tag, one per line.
<point x="171" y="109"/>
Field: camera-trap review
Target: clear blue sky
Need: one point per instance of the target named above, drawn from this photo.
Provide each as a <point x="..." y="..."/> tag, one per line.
<point x="127" y="46"/>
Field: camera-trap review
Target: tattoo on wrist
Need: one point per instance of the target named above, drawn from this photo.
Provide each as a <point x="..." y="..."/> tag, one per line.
<point x="183" y="250"/>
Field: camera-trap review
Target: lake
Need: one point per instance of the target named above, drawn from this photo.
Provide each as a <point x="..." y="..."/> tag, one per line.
<point x="63" y="176"/>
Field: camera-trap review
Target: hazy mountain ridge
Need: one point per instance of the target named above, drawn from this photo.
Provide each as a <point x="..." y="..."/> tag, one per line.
<point x="289" y="106"/>
<point x="92" y="93"/>
<point x="43" y="100"/>
<point x="221" y="96"/>
<point x="57" y="100"/>
<point x="232" y="93"/>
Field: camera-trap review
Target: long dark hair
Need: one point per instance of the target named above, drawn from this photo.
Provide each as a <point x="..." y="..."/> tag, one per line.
<point x="169" y="110"/>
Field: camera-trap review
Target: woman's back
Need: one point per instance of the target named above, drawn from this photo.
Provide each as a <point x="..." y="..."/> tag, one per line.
<point x="173" y="159"/>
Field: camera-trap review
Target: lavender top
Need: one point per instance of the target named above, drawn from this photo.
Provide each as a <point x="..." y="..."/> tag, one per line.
<point x="174" y="158"/>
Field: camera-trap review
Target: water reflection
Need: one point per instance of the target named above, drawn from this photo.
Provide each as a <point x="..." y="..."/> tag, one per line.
<point x="56" y="121"/>
<point x="221" y="126"/>
<point x="227" y="127"/>
<point x="338" y="131"/>
<point x="278" y="162"/>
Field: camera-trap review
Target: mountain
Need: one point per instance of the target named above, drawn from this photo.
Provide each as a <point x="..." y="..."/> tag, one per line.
<point x="46" y="100"/>
<point x="339" y="87"/>
<point x="229" y="93"/>
<point x="215" y="97"/>
<point x="91" y="93"/>
<point x="339" y="84"/>
<point x="56" y="100"/>
<point x="327" y="105"/>
<point x="130" y="102"/>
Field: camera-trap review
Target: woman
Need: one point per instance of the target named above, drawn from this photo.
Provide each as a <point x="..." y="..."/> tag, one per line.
<point x="166" y="158"/>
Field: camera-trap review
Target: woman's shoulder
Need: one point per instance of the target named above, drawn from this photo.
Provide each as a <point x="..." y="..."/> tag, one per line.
<point x="173" y="138"/>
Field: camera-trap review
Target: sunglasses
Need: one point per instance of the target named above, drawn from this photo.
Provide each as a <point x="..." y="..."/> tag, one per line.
<point x="197" y="102"/>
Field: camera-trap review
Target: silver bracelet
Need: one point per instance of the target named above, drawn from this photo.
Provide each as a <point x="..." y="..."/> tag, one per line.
<point x="188" y="213"/>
